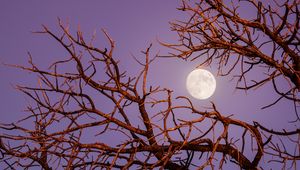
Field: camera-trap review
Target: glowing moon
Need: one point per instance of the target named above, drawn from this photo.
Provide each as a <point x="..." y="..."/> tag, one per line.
<point x="201" y="84"/>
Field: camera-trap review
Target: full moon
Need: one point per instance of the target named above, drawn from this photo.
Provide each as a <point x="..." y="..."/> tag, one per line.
<point x="201" y="84"/>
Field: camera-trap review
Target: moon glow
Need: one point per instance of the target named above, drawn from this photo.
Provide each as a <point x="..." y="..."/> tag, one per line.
<point x="201" y="84"/>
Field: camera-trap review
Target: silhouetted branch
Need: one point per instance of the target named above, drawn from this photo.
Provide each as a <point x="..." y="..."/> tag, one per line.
<point x="269" y="39"/>
<point x="84" y="99"/>
<point x="70" y="100"/>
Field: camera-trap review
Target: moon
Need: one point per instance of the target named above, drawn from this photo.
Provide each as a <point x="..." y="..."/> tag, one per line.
<point x="201" y="84"/>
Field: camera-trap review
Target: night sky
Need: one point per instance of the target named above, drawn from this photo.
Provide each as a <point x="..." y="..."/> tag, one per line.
<point x="133" y="25"/>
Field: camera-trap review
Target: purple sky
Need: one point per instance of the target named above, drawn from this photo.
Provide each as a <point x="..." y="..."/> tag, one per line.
<point x="133" y="25"/>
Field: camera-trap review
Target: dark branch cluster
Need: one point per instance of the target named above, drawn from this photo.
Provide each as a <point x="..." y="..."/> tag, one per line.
<point x="244" y="37"/>
<point x="72" y="106"/>
<point x="83" y="102"/>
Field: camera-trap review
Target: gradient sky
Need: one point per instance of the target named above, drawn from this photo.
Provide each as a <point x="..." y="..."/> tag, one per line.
<point x="133" y="25"/>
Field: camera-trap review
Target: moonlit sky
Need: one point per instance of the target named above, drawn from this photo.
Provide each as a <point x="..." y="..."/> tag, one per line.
<point x="133" y="25"/>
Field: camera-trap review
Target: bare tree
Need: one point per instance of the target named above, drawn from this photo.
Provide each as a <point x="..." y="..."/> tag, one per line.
<point x="266" y="38"/>
<point x="71" y="115"/>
